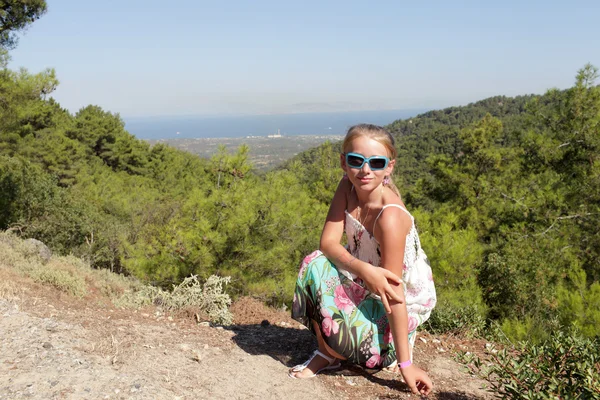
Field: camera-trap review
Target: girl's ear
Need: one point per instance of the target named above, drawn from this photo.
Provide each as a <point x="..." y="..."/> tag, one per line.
<point x="390" y="167"/>
<point x="343" y="161"/>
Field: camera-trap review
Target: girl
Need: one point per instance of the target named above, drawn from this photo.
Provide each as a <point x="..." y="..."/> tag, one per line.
<point x="352" y="297"/>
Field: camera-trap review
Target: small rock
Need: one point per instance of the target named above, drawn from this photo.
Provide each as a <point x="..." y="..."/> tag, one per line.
<point x="206" y="346"/>
<point x="204" y="323"/>
<point x="184" y="347"/>
<point x="220" y="328"/>
<point x="52" y="326"/>
<point x="40" y="248"/>
<point x="265" y="322"/>
<point x="47" y="345"/>
<point x="423" y="340"/>
<point x="196" y="356"/>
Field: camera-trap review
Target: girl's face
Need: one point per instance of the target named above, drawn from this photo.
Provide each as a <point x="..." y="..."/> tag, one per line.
<point x="364" y="177"/>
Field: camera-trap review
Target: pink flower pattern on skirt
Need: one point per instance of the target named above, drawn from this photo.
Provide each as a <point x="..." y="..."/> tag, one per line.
<point x="387" y="335"/>
<point x="342" y="301"/>
<point x="375" y="359"/>
<point x="356" y="293"/>
<point x="328" y="324"/>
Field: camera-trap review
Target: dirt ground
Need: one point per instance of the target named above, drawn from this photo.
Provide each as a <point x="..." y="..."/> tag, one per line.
<point x="54" y="346"/>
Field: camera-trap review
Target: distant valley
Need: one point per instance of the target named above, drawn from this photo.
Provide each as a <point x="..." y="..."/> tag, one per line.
<point x="265" y="152"/>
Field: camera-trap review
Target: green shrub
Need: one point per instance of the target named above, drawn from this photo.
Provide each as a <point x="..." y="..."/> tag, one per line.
<point x="64" y="280"/>
<point x="447" y="318"/>
<point x="563" y="367"/>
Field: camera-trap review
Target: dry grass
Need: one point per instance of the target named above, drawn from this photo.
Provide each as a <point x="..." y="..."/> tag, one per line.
<point x="74" y="276"/>
<point x="208" y="298"/>
<point x="8" y="289"/>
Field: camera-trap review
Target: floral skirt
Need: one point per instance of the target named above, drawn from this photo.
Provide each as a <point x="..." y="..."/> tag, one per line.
<point x="352" y="322"/>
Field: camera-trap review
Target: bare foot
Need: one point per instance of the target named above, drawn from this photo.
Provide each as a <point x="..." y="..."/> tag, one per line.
<point x="317" y="363"/>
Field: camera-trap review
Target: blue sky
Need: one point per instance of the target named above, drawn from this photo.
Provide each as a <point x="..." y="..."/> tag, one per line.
<point x="149" y="58"/>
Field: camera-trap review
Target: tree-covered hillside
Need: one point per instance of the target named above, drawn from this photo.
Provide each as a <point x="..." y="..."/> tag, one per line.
<point x="506" y="193"/>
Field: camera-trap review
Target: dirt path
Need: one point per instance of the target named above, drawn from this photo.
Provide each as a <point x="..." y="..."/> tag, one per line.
<point x="56" y="347"/>
<point x="43" y="358"/>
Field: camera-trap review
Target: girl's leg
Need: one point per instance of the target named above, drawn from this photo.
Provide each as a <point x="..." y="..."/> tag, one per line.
<point x="318" y="362"/>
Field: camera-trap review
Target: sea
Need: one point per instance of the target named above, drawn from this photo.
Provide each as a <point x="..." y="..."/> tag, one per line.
<point x="329" y="123"/>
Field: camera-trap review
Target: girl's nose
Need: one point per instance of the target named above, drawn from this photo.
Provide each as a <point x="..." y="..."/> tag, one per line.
<point x="366" y="167"/>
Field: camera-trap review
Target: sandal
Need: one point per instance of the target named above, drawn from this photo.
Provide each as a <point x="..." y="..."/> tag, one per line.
<point x="392" y="368"/>
<point x="302" y="367"/>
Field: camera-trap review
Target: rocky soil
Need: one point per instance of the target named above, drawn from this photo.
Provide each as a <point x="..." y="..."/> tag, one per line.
<point x="54" y="346"/>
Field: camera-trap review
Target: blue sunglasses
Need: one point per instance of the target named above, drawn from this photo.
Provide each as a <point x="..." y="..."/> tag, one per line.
<point x="376" y="163"/>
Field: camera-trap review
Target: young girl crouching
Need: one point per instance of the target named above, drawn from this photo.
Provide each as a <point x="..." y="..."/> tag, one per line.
<point x="352" y="297"/>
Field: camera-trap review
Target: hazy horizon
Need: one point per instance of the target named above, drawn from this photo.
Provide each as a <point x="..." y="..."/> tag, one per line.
<point x="323" y="123"/>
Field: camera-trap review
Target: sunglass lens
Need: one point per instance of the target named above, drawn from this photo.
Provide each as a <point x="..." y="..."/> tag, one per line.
<point x="377" y="163"/>
<point x="355" y="161"/>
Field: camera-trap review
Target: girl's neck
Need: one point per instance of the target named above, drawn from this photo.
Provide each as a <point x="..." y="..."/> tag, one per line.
<point x="371" y="198"/>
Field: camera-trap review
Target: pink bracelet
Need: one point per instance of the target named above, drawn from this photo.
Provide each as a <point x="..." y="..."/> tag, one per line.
<point x="405" y="364"/>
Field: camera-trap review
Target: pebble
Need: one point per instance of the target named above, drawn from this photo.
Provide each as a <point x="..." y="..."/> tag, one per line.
<point x="47" y="345"/>
<point x="196" y="356"/>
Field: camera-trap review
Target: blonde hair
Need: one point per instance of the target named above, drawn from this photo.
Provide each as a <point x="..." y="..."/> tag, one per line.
<point x="378" y="134"/>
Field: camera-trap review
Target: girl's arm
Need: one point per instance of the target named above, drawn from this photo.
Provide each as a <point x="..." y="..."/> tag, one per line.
<point x="378" y="280"/>
<point x="392" y="228"/>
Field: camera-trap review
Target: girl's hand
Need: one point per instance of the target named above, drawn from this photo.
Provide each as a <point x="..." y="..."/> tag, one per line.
<point x="381" y="281"/>
<point x="417" y="380"/>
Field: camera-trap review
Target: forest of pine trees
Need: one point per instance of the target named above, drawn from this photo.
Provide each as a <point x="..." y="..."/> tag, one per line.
<point x="505" y="191"/>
